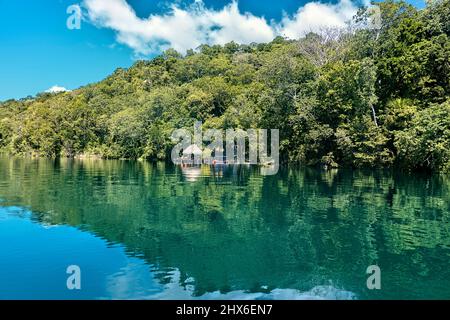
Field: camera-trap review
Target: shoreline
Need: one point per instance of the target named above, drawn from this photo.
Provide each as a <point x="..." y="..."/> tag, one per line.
<point x="282" y="165"/>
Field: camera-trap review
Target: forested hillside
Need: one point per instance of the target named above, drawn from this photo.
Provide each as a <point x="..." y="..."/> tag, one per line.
<point x="360" y="97"/>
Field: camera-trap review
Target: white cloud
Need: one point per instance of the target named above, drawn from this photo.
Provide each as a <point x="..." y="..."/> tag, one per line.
<point x="186" y="28"/>
<point x="56" y="89"/>
<point x="315" y="16"/>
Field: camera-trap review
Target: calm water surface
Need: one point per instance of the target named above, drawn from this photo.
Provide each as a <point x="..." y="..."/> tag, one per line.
<point x="153" y="231"/>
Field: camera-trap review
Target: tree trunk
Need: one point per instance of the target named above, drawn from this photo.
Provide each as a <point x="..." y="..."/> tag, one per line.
<point x="374" y="115"/>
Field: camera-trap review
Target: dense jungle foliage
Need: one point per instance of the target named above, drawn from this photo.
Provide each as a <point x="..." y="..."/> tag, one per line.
<point x="362" y="97"/>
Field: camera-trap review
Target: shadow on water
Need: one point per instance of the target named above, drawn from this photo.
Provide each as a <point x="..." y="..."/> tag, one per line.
<point x="230" y="229"/>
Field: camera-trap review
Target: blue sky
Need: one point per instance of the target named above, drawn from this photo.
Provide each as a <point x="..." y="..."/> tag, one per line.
<point x="38" y="51"/>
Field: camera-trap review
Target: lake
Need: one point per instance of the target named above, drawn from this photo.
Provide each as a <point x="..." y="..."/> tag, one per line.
<point x="141" y="230"/>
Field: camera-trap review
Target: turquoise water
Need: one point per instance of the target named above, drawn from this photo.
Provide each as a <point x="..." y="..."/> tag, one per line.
<point x="139" y="230"/>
